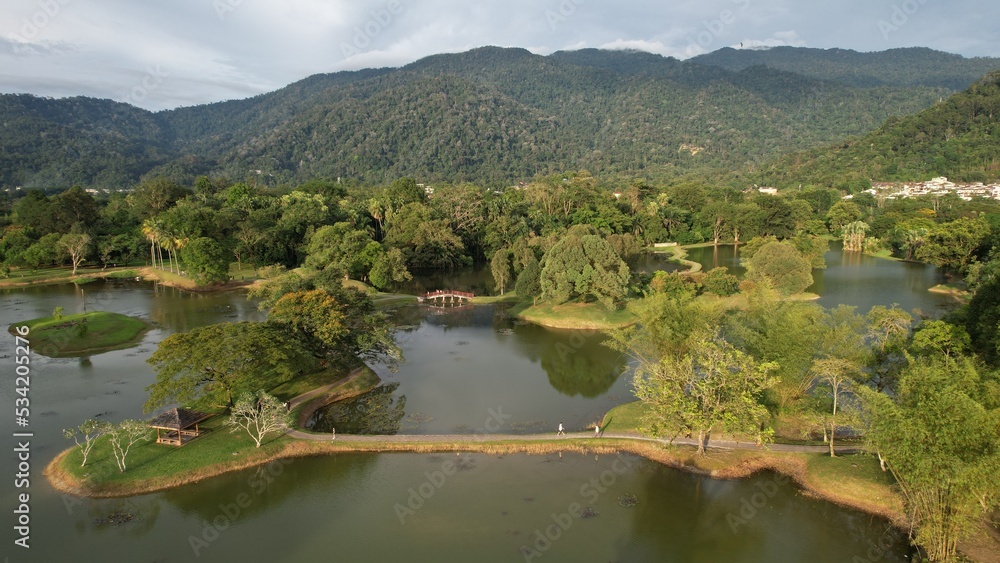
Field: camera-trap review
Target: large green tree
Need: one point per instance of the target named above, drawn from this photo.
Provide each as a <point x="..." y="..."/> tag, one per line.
<point x="528" y="282"/>
<point x="339" y="246"/>
<point x="206" y="261"/>
<point x="426" y="241"/>
<point x="314" y="305"/>
<point x="76" y="245"/>
<point x="712" y="387"/>
<point x="787" y="333"/>
<point x="953" y="245"/>
<point x="388" y="267"/>
<point x="501" y="270"/>
<point x="211" y="365"/>
<point x="780" y="263"/>
<point x="940" y="437"/>
<point x="581" y="266"/>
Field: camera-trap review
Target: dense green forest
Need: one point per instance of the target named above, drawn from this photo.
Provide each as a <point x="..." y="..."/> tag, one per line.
<point x="915" y="66"/>
<point x="558" y="173"/>
<point x="954" y="138"/>
<point x="491" y="116"/>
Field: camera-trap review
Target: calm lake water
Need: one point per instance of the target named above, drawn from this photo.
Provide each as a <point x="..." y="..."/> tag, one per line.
<point x="462" y="366"/>
<point x="855" y="279"/>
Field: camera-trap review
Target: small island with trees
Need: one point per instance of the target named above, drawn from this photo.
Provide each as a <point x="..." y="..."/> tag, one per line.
<point x="80" y="334"/>
<point x="747" y="361"/>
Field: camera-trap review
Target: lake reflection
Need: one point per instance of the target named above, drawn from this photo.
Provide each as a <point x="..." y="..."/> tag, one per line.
<point x="464" y="367"/>
<point x="856" y="279"/>
<point x="463" y="362"/>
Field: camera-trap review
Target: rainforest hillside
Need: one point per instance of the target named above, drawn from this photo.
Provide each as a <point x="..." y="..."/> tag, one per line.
<point x="491" y="115"/>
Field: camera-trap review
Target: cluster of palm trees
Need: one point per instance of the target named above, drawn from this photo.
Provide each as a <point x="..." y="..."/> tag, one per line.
<point x="854" y="236"/>
<point x="161" y="236"/>
<point x="913" y="239"/>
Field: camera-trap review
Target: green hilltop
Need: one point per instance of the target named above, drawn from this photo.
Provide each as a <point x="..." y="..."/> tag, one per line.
<point x="954" y="138"/>
<point x="491" y="115"/>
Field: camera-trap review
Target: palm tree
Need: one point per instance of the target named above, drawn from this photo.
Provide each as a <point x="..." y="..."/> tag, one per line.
<point x="152" y="229"/>
<point x="913" y="239"/>
<point x="178" y="241"/>
<point x="167" y="241"/>
<point x="854" y="236"/>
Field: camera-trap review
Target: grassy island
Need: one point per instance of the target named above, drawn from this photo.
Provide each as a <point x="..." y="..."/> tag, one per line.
<point x="584" y="316"/>
<point x="83" y="333"/>
<point x="853" y="481"/>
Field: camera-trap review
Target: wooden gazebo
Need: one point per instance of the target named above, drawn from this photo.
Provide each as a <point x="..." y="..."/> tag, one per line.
<point x="174" y="426"/>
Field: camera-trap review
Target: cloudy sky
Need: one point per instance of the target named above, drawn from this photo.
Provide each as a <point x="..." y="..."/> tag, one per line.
<point x="160" y="54"/>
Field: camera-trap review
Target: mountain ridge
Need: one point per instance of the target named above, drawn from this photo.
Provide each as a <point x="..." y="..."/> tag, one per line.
<point x="491" y="115"/>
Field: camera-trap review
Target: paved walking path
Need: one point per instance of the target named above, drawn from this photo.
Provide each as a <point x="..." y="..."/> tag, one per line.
<point x="553" y="437"/>
<point x="548" y="437"/>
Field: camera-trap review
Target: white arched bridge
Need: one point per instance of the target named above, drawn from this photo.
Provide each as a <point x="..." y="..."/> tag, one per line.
<point x="446" y="296"/>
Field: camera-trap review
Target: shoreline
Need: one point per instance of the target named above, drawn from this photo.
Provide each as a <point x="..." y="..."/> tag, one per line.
<point x="146" y="273"/>
<point x="680" y="256"/>
<point x="55" y="345"/>
<point x="790" y="464"/>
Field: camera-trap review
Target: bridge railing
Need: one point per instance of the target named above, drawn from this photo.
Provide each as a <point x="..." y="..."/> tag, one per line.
<point x="448" y="292"/>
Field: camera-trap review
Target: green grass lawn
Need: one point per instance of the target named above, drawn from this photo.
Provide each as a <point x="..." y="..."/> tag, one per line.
<point x="380" y="299"/>
<point x="83" y="333"/>
<point x="310" y="381"/>
<point x="360" y="286"/>
<point x="593" y="316"/>
<point x="20" y="275"/>
<point x="122" y="274"/>
<point x="509" y="297"/>
<point x="680" y="256"/>
<point x="245" y="273"/>
<point x="392" y="299"/>
<point x="171" y="278"/>
<point x="149" y="460"/>
<point x="625" y="418"/>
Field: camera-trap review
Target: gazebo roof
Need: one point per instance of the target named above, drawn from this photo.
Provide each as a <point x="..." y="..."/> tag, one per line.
<point x="178" y="419"/>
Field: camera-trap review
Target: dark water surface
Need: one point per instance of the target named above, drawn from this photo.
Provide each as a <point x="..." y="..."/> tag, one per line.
<point x="856" y="279"/>
<point x="463" y="367"/>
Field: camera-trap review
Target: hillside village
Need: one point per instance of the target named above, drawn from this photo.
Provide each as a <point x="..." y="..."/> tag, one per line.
<point x="940" y="186"/>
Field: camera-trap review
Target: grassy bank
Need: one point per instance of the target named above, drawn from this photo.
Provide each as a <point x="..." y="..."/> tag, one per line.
<point x="956" y="290"/>
<point x="20" y="278"/>
<point x="217" y="451"/>
<point x="83" y="333"/>
<point x="853" y="481"/>
<point x="509" y="297"/>
<point x="591" y="316"/>
<point x="680" y="256"/>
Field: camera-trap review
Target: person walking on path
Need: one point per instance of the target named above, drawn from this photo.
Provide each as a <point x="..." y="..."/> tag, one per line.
<point x="561" y="432"/>
<point x="597" y="430"/>
<point x="333" y="435"/>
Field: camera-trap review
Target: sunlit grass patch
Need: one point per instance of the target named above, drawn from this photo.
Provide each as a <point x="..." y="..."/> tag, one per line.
<point x="83" y="333"/>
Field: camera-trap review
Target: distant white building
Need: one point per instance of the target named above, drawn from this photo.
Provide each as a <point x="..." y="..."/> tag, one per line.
<point x="939" y="186"/>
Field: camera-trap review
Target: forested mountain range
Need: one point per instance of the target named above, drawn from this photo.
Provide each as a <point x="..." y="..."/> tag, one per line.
<point x="915" y="66"/>
<point x="956" y="138"/>
<point x="490" y="115"/>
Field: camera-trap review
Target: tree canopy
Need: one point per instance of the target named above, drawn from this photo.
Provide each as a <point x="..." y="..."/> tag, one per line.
<point x="783" y="266"/>
<point x="211" y="365"/>
<point x="581" y="266"/>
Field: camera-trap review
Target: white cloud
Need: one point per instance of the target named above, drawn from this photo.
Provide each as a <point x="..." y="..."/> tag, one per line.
<point x="636" y="44"/>
<point x="778" y="39"/>
<point x="105" y="48"/>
